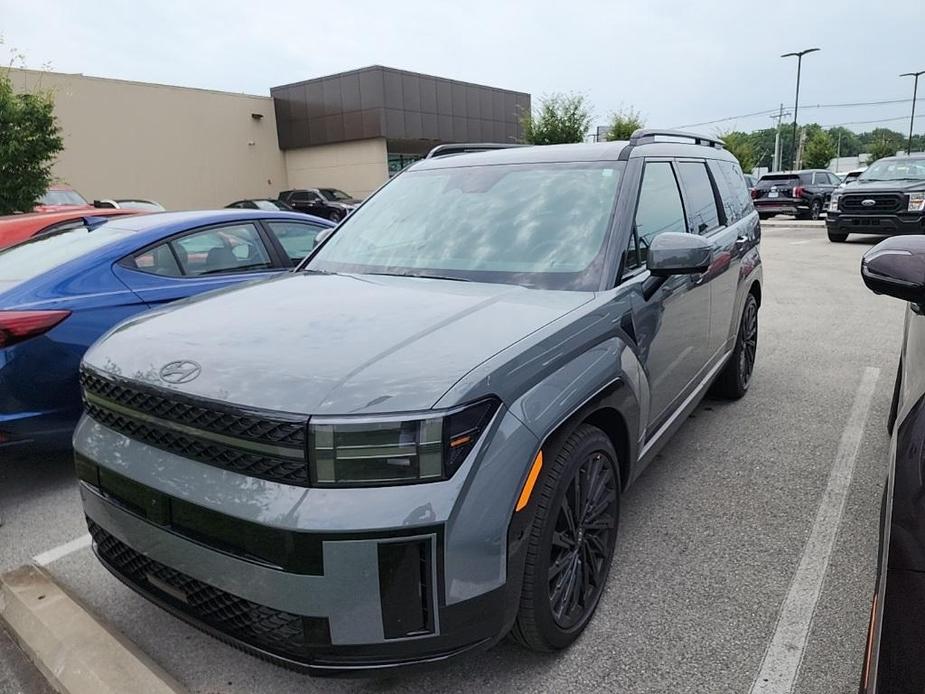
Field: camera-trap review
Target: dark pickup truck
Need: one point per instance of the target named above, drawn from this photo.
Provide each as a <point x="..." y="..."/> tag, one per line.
<point x="803" y="194"/>
<point x="887" y="199"/>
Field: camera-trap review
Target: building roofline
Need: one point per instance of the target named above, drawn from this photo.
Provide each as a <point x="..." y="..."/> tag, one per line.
<point x="385" y="68"/>
<point x="139" y="83"/>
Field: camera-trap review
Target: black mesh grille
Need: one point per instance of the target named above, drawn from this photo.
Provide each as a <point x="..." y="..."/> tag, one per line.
<point x="883" y="202"/>
<point x="280" y="633"/>
<point x="210" y="418"/>
<point x="288" y="471"/>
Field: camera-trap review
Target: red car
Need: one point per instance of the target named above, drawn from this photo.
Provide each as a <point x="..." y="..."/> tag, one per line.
<point x="19" y="227"/>
<point x="60" y="198"/>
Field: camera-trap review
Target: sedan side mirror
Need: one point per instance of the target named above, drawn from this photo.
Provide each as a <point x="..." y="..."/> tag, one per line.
<point x="675" y="253"/>
<point x="896" y="267"/>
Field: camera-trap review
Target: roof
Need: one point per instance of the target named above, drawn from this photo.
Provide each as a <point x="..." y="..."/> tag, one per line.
<point x="582" y="151"/>
<point x="167" y="221"/>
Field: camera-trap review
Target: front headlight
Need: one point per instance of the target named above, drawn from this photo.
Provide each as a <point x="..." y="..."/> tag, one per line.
<point x="394" y="449"/>
<point x="917" y="201"/>
<point x="833" y="202"/>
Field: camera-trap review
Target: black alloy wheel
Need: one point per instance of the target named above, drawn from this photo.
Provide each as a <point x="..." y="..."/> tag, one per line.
<point x="815" y="210"/>
<point x="581" y="548"/>
<point x="576" y="507"/>
<point x="736" y="376"/>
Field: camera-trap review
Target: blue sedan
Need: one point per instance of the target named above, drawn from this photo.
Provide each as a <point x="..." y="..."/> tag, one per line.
<point x="61" y="291"/>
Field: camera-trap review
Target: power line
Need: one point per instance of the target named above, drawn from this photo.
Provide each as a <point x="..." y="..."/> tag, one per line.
<point x="811" y="106"/>
<point x="868" y="122"/>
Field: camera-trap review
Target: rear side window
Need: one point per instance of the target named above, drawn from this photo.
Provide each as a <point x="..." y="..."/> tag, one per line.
<point x="296" y="238"/>
<point x="806" y="179"/>
<point x="701" y="199"/>
<point x="232" y="248"/>
<point x="737" y="201"/>
<point x="659" y="210"/>
<point x="158" y="261"/>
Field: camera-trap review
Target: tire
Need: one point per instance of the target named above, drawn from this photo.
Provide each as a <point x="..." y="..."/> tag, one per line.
<point x="815" y="210"/>
<point x="764" y="215"/>
<point x="837" y="237"/>
<point x="554" y="610"/>
<point x="735" y="378"/>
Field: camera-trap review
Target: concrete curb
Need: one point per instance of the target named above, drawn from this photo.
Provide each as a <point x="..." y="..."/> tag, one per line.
<point x="76" y="652"/>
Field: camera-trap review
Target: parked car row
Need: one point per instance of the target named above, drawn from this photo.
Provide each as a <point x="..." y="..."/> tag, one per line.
<point x="803" y="194"/>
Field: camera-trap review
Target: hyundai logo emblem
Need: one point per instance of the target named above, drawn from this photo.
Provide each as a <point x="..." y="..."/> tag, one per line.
<point x="182" y="371"/>
<point x="868" y="202"/>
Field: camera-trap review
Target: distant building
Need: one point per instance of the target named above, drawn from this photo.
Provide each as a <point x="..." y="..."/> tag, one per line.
<point x="842" y="165"/>
<point x="198" y="148"/>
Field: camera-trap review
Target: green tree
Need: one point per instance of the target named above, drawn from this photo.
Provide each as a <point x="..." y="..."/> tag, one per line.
<point x="819" y="150"/>
<point x="850" y="142"/>
<point x="624" y="123"/>
<point x="878" y="149"/>
<point x="29" y="140"/>
<point x="560" y="118"/>
<point x="740" y="146"/>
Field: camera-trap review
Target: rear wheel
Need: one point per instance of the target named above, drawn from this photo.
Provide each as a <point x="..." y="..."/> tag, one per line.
<point x="736" y="376"/>
<point x="837" y="237"/>
<point x="571" y="542"/>
<point x="764" y="215"/>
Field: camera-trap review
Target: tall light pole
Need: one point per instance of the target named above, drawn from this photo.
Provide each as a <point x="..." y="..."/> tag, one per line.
<point x="915" y="91"/>
<point x="775" y="160"/>
<point x="796" y="102"/>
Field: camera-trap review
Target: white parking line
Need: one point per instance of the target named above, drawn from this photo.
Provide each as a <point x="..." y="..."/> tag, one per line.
<point x="798" y="243"/>
<point x="782" y="660"/>
<point x="46" y="558"/>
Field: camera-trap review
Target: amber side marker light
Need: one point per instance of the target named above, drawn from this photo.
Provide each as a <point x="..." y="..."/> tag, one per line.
<point x="531" y="481"/>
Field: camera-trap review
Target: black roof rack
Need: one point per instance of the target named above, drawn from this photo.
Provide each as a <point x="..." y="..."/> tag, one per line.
<point x="467" y="147"/>
<point x="646" y="135"/>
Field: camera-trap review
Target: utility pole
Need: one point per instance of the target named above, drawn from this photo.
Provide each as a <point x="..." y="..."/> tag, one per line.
<point x="796" y="102"/>
<point x="838" y="150"/>
<point x="799" y="158"/>
<point x="775" y="161"/>
<point x="915" y="91"/>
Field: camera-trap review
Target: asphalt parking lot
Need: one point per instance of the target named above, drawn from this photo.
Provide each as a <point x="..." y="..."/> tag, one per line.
<point x="711" y="536"/>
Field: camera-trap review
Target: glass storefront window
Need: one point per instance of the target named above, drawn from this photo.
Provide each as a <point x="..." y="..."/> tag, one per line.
<point x="397" y="162"/>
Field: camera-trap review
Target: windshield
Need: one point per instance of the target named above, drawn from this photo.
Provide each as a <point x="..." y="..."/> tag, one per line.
<point x="63" y="197"/>
<point x="334" y="194"/>
<point x="536" y="225"/>
<point x="42" y="253"/>
<point x="272" y="205"/>
<point x="895" y="170"/>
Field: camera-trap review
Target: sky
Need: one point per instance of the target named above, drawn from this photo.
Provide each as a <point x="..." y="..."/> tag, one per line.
<point x="678" y="63"/>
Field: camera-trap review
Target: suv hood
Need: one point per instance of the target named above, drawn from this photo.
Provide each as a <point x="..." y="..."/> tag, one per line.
<point x="861" y="186"/>
<point x="336" y="344"/>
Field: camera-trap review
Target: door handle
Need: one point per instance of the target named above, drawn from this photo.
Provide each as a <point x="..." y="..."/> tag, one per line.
<point x="742" y="239"/>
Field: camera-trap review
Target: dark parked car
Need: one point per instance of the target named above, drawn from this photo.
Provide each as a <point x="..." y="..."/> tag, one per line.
<point x="803" y="194"/>
<point x="261" y="204"/>
<point x="887" y="198"/>
<point x="894" y="662"/>
<point x="63" y="289"/>
<point x="417" y="442"/>
<point x="328" y="203"/>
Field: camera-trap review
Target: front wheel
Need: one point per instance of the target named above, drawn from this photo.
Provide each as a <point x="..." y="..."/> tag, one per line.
<point x="736" y="376"/>
<point x="571" y="544"/>
<point x="837" y="237"/>
<point x="764" y="215"/>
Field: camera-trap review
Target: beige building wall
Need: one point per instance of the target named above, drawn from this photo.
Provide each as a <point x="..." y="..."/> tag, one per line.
<point x="357" y="167"/>
<point x="186" y="148"/>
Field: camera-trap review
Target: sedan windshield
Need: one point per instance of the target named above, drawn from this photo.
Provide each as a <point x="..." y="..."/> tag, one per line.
<point x="906" y="169"/>
<point x="333" y="194"/>
<point x="536" y="225"/>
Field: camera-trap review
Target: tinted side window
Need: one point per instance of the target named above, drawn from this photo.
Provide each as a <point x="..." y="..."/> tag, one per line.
<point x="701" y="200"/>
<point x="659" y="208"/>
<point x="232" y="248"/>
<point x="296" y="238"/>
<point x="299" y="196"/>
<point x="158" y="261"/>
<point x="737" y="201"/>
<point x="806" y="179"/>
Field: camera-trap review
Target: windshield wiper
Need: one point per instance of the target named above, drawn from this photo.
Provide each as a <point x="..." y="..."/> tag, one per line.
<point x="422" y="276"/>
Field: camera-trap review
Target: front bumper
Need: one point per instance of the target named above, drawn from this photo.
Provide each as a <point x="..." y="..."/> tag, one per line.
<point x="367" y="612"/>
<point x="881" y="224"/>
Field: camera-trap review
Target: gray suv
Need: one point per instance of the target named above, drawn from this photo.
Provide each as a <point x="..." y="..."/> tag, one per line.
<point x="416" y="443"/>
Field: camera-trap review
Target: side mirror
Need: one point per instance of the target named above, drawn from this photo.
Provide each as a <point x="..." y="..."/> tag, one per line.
<point x="896" y="267"/>
<point x="674" y="253"/>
